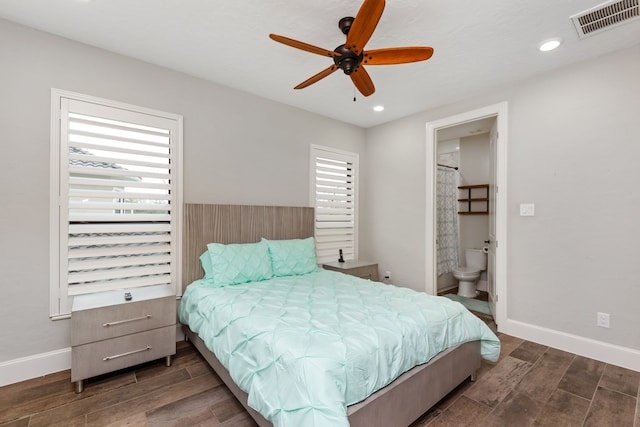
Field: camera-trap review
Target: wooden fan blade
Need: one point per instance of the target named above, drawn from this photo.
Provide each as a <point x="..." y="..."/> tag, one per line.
<point x="397" y="55"/>
<point x="364" y="24"/>
<point x="303" y="46"/>
<point x="363" y="81"/>
<point x="321" y="75"/>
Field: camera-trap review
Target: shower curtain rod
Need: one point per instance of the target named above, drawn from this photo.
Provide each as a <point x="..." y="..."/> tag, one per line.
<point x="450" y="167"/>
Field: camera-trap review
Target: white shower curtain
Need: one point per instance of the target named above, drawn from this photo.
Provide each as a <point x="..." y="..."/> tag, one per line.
<point x="447" y="219"/>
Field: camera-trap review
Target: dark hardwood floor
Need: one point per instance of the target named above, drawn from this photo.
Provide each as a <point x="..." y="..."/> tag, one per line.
<point x="531" y="385"/>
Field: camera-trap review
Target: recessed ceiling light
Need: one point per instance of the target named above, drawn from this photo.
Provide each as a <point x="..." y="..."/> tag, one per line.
<point x="378" y="108"/>
<point x="549" y="44"/>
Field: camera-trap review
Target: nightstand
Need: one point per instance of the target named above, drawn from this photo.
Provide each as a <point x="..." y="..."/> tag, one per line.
<point x="110" y="333"/>
<point x="363" y="269"/>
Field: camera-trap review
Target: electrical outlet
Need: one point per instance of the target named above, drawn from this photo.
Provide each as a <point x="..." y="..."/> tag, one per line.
<point x="603" y="320"/>
<point x="387" y="277"/>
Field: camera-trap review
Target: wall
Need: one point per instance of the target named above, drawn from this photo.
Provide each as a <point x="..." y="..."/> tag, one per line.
<point x="572" y="150"/>
<point x="448" y="152"/>
<point x="238" y="149"/>
<point x="472" y="154"/>
<point x="474" y="169"/>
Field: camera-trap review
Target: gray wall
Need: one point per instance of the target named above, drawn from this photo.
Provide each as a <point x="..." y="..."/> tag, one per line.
<point x="474" y="169"/>
<point x="573" y="150"/>
<point x="237" y="149"/>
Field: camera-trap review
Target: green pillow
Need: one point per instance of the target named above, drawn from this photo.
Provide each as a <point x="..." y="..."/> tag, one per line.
<point x="292" y="257"/>
<point x="205" y="261"/>
<point x="239" y="263"/>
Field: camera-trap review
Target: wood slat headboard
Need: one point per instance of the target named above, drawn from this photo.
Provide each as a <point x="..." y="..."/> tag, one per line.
<point x="205" y="223"/>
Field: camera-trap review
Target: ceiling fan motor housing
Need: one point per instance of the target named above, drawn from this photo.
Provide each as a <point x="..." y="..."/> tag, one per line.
<point x="347" y="61"/>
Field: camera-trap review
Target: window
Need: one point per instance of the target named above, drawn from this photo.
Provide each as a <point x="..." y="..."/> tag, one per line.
<point x="115" y="197"/>
<point x="334" y="178"/>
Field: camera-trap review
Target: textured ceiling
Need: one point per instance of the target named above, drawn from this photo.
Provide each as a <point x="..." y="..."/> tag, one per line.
<point x="479" y="45"/>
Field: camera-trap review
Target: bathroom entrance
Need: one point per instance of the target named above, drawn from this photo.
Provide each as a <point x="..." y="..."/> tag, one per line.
<point x="462" y="207"/>
<point x="465" y="212"/>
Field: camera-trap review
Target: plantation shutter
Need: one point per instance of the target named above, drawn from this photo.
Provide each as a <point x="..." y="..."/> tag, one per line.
<point x="334" y="192"/>
<point x="118" y="198"/>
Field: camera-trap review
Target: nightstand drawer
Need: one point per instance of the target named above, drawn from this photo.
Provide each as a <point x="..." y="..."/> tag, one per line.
<point x="126" y="318"/>
<point x="368" y="272"/>
<point x="109" y="355"/>
<point x="362" y="269"/>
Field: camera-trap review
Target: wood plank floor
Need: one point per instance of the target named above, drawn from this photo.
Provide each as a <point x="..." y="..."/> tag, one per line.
<point x="531" y="385"/>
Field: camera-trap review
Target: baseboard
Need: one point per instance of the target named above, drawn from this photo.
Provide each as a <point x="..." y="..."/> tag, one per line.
<point x="448" y="288"/>
<point x="37" y="365"/>
<point x="609" y="353"/>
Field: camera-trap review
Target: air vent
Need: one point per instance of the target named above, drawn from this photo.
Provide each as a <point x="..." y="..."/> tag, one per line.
<point x="605" y="16"/>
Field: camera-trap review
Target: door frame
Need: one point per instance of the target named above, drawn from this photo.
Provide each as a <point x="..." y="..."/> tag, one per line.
<point x="499" y="111"/>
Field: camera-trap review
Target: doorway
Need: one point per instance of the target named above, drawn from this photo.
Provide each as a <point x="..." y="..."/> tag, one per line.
<point x="496" y="271"/>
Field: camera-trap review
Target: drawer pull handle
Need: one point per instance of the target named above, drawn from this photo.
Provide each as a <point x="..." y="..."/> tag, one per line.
<point x="115" y="356"/>
<point x="119" y="322"/>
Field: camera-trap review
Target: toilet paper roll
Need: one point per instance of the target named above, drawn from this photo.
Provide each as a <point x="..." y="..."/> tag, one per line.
<point x="485" y="249"/>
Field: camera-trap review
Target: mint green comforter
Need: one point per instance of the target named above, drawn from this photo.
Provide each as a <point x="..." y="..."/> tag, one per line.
<point x="305" y="347"/>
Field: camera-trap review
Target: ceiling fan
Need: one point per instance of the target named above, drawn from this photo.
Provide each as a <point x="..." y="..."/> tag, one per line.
<point x="351" y="57"/>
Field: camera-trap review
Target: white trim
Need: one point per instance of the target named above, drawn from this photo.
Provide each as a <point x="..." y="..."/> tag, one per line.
<point x="37" y="365"/>
<point x="609" y="353"/>
<point x="500" y="112"/>
<point x="54" y="206"/>
<point x="60" y="93"/>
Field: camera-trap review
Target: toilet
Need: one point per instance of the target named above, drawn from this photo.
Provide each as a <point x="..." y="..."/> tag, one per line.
<point x="476" y="260"/>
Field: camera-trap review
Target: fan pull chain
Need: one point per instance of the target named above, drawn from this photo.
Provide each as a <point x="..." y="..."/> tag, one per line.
<point x="354" y="94"/>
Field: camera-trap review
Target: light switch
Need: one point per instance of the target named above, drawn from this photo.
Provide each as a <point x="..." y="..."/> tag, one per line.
<point x="527" y="209"/>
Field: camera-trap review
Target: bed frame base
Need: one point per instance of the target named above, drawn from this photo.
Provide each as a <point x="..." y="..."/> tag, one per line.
<point x="398" y="404"/>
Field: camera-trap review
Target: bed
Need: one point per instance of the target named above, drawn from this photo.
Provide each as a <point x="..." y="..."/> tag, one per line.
<point x="395" y="395"/>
